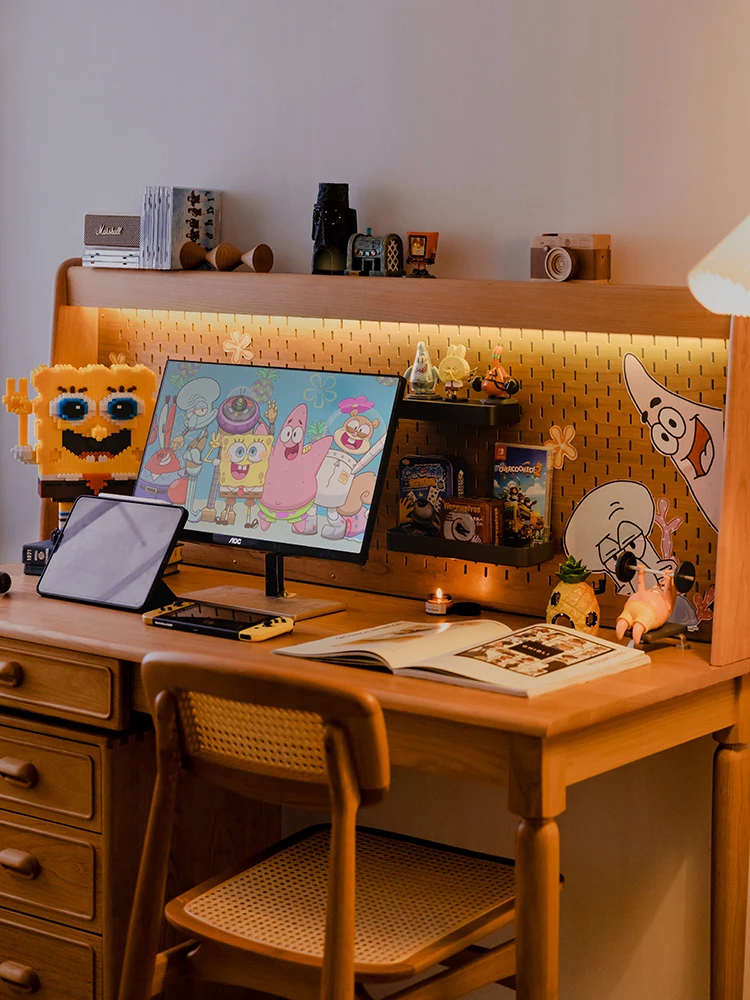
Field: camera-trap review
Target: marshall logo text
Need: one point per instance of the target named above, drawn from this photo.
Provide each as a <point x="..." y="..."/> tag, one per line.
<point x="109" y="230"/>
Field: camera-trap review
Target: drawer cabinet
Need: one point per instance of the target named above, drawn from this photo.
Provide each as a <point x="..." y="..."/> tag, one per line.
<point x="44" y="958"/>
<point x="57" y="779"/>
<point x="65" y="685"/>
<point x="73" y="809"/>
<point x="50" y="871"/>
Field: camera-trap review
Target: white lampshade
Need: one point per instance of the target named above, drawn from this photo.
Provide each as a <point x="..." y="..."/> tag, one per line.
<point x="721" y="281"/>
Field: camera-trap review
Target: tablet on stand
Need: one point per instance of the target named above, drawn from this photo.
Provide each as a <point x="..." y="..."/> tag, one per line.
<point x="112" y="552"/>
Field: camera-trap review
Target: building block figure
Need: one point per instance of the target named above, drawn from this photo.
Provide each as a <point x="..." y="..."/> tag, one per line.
<point x="90" y="426"/>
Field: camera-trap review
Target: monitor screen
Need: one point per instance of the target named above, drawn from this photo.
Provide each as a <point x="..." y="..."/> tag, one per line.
<point x="282" y="459"/>
<point x="111" y="551"/>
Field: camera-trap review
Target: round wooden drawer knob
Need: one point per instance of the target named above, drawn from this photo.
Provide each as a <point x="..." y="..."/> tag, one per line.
<point x="18" y="772"/>
<point x="19" y="863"/>
<point x="22" y="977"/>
<point x="11" y="674"/>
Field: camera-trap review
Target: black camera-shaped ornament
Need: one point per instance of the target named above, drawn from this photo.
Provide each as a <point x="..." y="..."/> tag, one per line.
<point x="571" y="257"/>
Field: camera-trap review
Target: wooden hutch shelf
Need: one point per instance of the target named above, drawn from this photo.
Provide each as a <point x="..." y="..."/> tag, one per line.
<point x="641" y="309"/>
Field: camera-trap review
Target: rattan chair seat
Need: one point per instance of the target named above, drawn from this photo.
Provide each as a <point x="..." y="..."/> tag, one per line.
<point x="410" y="896"/>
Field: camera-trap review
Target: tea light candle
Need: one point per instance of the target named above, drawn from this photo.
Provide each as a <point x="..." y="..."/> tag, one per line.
<point x="438" y="603"/>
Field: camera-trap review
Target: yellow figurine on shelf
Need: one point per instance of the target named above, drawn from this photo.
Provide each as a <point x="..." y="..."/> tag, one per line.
<point x="91" y="426"/>
<point x="454" y="370"/>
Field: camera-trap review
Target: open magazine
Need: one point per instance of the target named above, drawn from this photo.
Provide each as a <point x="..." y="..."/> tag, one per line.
<point x="480" y="652"/>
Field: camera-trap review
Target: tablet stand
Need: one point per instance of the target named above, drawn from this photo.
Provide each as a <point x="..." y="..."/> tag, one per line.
<point x="161" y="596"/>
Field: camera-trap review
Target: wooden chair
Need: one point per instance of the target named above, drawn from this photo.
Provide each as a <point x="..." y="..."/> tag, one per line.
<point x="285" y="924"/>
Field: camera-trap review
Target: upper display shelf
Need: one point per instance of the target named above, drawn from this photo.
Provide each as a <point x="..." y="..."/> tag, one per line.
<point x="649" y="310"/>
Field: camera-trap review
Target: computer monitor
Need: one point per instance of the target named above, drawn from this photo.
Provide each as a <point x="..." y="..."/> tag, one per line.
<point x="286" y="460"/>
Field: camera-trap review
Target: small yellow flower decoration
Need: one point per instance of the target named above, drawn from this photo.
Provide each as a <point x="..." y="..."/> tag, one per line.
<point x="238" y="345"/>
<point x="117" y="359"/>
<point x="560" y="439"/>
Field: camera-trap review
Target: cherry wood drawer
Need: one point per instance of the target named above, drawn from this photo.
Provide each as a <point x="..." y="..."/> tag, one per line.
<point x="50" y="871"/>
<point x="65" y="963"/>
<point x="52" y="778"/>
<point x="63" y="684"/>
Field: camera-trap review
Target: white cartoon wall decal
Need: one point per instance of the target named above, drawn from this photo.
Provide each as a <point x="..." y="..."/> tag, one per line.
<point x="614" y="518"/>
<point x="691" y="434"/>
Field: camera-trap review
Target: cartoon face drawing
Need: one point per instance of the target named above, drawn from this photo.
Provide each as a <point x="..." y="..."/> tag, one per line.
<point x="690" y="434"/>
<point x="92" y="420"/>
<point x="614" y="518"/>
<point x="244" y="460"/>
<point x="292" y="468"/>
<point x="197" y="399"/>
<point x="355" y="435"/>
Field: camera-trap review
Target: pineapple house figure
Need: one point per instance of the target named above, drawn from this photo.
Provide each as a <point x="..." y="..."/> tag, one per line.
<point x="573" y="602"/>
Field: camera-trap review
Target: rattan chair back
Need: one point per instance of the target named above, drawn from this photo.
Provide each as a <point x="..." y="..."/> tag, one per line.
<point x="263" y="732"/>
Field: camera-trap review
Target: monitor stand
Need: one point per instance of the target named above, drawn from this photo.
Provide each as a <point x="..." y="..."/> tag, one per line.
<point x="275" y="601"/>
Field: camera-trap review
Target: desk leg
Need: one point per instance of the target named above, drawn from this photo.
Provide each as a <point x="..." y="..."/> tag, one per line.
<point x="730" y="857"/>
<point x="537" y="909"/>
<point x="536" y="793"/>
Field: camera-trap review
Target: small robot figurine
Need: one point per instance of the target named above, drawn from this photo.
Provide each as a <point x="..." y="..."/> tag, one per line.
<point x="497" y="382"/>
<point x="422" y="251"/>
<point x="423" y="376"/>
<point x="650" y="608"/>
<point x="454" y="370"/>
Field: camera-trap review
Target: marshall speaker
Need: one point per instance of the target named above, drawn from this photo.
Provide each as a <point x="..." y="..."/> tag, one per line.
<point x="111" y="240"/>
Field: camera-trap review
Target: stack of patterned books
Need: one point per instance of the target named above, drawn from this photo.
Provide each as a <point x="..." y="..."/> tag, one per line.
<point x="170" y="217"/>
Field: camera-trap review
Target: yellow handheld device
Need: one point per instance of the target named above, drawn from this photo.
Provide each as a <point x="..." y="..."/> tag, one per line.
<point x="211" y="619"/>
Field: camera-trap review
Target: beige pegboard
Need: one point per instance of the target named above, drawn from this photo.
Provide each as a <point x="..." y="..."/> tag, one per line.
<point x="567" y="377"/>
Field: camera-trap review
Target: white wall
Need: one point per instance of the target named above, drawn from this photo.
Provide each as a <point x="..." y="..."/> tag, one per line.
<point x="488" y="120"/>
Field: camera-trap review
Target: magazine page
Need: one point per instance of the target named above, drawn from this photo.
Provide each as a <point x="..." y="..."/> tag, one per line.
<point x="534" y="659"/>
<point x="400" y="644"/>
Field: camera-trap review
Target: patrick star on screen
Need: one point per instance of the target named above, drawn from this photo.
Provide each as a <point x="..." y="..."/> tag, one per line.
<point x="291" y="484"/>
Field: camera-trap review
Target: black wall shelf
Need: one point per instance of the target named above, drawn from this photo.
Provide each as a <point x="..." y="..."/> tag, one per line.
<point x="467" y="411"/>
<point x="499" y="555"/>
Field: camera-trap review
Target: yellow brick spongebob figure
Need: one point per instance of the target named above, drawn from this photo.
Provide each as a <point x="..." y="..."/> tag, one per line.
<point x="90" y="424"/>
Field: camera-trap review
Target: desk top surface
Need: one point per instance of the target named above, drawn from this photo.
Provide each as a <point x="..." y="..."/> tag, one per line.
<point x="24" y="616"/>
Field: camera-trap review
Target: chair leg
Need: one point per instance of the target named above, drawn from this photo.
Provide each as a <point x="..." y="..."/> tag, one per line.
<point x="148" y="907"/>
<point x="170" y="965"/>
<point x="490" y="965"/>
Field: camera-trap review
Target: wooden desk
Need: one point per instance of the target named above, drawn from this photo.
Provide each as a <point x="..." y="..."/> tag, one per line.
<point x="533" y="748"/>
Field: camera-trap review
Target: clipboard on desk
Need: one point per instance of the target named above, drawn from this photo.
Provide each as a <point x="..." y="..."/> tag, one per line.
<point x="112" y="552"/>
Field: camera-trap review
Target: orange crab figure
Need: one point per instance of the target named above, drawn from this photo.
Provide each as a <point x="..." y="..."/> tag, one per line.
<point x="90" y="425"/>
<point x="647" y="608"/>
